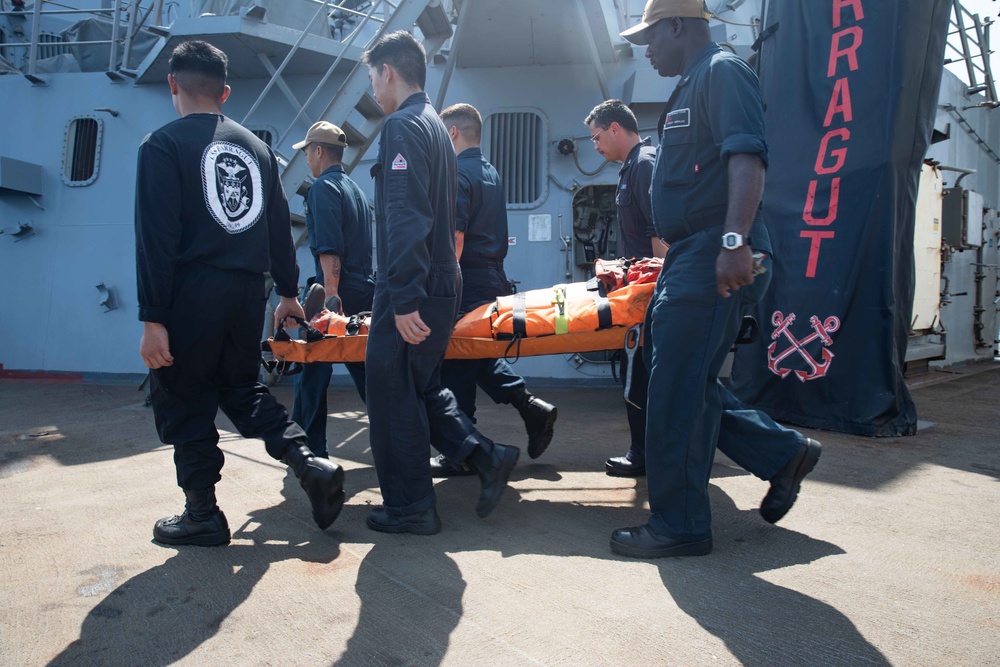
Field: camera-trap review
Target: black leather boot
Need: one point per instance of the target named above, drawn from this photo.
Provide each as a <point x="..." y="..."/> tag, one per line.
<point x="493" y="463"/>
<point x="322" y="480"/>
<point x="539" y="419"/>
<point x="202" y="523"/>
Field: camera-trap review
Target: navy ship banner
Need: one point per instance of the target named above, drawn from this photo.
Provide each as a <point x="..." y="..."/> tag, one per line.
<point x="850" y="89"/>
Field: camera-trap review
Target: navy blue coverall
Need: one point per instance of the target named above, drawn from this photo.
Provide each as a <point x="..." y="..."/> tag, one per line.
<point x="415" y="196"/>
<point x="339" y="223"/>
<point x="635" y="218"/>
<point x="715" y="112"/>
<point x="481" y="215"/>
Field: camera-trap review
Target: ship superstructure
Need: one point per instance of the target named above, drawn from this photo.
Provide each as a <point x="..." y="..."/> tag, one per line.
<point x="84" y="81"/>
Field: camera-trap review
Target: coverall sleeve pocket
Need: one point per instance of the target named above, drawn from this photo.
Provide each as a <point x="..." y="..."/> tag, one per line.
<point x="438" y="313"/>
<point x="396" y="189"/>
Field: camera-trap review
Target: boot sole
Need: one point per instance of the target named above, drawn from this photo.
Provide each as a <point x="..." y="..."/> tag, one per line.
<point x="612" y="471"/>
<point x="538" y="446"/>
<point x="702" y="548"/>
<point x="422" y="528"/>
<point x="507" y="464"/>
<point x="441" y="473"/>
<point x="204" y="540"/>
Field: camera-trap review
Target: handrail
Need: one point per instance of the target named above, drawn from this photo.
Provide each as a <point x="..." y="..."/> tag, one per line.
<point x="135" y="25"/>
<point x="329" y="72"/>
<point x="115" y="27"/>
<point x="35" y="31"/>
<point x="46" y="12"/>
<point x="129" y="33"/>
<point x="83" y="43"/>
<point x="288" y="58"/>
<point x="353" y="11"/>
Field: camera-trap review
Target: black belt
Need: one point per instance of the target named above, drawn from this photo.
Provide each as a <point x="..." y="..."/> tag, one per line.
<point x="481" y="263"/>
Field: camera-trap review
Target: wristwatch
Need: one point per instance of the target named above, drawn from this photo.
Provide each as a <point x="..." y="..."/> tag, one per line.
<point x="733" y="240"/>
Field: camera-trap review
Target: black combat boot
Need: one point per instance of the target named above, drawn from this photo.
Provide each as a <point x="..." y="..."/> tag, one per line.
<point x="539" y="418"/>
<point x="323" y="481"/>
<point x="202" y="522"/>
<point x="493" y="463"/>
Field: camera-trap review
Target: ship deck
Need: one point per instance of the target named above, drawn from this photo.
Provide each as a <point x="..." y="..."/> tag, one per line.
<point x="890" y="556"/>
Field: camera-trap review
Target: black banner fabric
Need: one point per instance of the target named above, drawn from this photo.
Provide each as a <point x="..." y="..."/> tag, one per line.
<point x="850" y="89"/>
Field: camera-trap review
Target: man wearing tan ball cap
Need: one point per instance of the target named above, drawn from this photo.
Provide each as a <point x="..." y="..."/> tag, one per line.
<point x="339" y="225"/>
<point x="661" y="9"/>
<point x="705" y="194"/>
<point x="323" y="132"/>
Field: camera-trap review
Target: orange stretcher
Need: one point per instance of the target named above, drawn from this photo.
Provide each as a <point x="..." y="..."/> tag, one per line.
<point x="577" y="317"/>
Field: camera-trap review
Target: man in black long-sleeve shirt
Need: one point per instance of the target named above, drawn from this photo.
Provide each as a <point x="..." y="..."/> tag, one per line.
<point x="211" y="219"/>
<point x="615" y="133"/>
<point x="417" y="291"/>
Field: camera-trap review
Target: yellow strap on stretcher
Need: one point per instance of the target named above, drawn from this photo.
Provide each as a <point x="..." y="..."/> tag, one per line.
<point x="559" y="301"/>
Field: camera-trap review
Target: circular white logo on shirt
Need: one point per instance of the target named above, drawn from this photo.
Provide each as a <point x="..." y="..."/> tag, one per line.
<point x="230" y="177"/>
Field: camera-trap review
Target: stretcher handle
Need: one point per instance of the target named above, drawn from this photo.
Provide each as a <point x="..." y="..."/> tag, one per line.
<point x="312" y="333"/>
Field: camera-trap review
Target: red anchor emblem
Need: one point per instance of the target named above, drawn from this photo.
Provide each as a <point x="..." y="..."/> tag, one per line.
<point x="821" y="331"/>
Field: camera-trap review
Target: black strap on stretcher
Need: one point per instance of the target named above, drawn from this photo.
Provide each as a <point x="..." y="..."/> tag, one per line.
<point x="283" y="367"/>
<point x="600" y="293"/>
<point x="520" y="313"/>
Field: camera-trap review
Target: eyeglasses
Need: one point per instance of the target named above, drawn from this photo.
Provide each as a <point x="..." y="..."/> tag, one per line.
<point x="595" y="137"/>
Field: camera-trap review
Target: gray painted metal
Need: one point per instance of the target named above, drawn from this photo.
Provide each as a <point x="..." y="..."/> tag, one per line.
<point x="20" y="176"/>
<point x="513" y="56"/>
<point x="973" y="144"/>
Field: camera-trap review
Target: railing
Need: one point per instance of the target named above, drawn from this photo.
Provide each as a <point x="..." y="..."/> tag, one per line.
<point x="133" y="8"/>
<point x="973" y="49"/>
<point x="347" y="43"/>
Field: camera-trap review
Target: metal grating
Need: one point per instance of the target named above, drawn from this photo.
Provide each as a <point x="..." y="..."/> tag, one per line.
<point x="264" y="135"/>
<point x="81" y="151"/>
<point x="517" y="150"/>
<point x="51" y="44"/>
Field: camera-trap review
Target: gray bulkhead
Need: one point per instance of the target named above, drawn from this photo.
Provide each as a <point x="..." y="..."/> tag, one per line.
<point x="515" y="59"/>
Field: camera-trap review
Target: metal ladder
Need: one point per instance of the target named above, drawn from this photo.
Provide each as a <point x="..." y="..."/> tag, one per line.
<point x="353" y="108"/>
<point x="974" y="49"/>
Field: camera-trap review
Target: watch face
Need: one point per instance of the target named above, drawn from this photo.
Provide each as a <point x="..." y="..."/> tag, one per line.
<point x="731" y="240"/>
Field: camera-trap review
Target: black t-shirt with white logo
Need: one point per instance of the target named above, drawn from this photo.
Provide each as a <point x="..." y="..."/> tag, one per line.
<point x="208" y="191"/>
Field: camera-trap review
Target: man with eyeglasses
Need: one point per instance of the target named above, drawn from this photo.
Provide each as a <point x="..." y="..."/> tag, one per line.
<point x="615" y="133"/>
